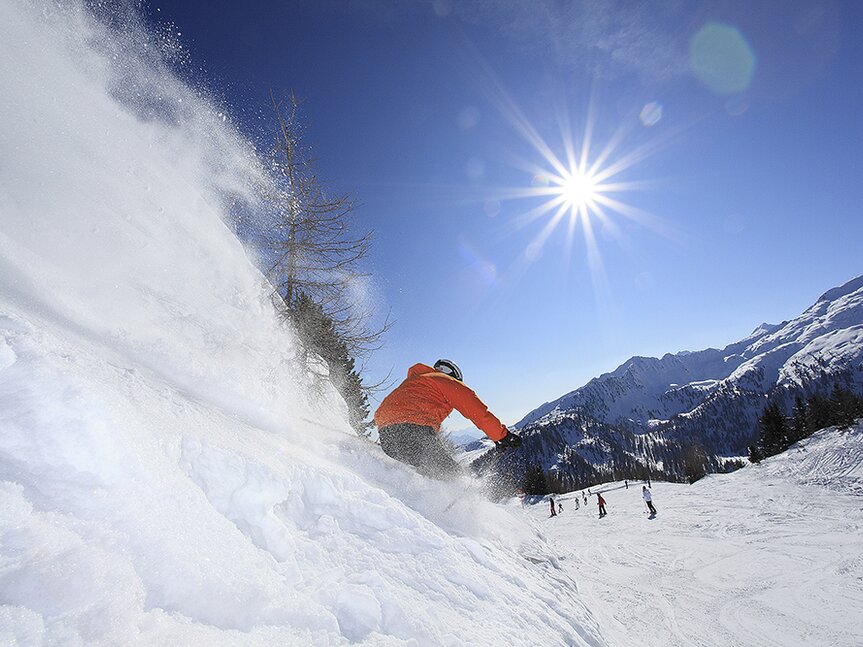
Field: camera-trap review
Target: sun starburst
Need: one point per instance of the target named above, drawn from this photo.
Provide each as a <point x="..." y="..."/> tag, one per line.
<point x="576" y="184"/>
<point x="579" y="189"/>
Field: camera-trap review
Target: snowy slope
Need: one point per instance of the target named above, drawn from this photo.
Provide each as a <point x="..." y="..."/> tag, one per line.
<point x="769" y="555"/>
<point x="716" y="395"/>
<point x="165" y="478"/>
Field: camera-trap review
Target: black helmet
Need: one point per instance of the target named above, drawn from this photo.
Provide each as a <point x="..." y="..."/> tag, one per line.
<point x="449" y="368"/>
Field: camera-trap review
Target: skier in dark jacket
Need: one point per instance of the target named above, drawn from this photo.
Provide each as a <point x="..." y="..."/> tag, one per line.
<point x="601" y="503"/>
<point x="553" y="512"/>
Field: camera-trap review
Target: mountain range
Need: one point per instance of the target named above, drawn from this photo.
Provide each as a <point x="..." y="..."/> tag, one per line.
<point x="649" y="412"/>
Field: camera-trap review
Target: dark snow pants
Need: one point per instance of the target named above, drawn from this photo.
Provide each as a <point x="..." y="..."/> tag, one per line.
<point x="650" y="506"/>
<point x="421" y="447"/>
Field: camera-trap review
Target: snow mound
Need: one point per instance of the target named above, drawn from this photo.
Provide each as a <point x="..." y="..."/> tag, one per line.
<point x="829" y="458"/>
<point x="165" y="478"/>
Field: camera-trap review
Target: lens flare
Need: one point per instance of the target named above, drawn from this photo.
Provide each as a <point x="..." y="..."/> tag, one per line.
<point x="651" y="114"/>
<point x="540" y="179"/>
<point x="722" y="59"/>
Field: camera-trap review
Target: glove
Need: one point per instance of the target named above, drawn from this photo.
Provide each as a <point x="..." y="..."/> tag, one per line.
<point x="510" y="441"/>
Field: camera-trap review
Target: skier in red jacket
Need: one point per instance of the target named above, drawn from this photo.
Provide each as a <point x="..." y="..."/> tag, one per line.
<point x="409" y="418"/>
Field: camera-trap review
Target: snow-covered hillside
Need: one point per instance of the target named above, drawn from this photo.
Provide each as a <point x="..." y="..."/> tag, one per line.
<point x="769" y="555"/>
<point x="164" y="477"/>
<point x="714" y="396"/>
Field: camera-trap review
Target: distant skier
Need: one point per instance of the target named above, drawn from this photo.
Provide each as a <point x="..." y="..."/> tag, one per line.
<point x="648" y="499"/>
<point x="601" y="503"/>
<point x="559" y="507"/>
<point x="553" y="513"/>
<point x="585" y="498"/>
<point x="576" y="503"/>
<point x="409" y="418"/>
<point x="626" y="483"/>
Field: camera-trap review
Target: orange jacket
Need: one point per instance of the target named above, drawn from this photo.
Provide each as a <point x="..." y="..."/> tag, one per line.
<point x="428" y="396"/>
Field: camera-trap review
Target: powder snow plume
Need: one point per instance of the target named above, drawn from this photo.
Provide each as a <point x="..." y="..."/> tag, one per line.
<point x="164" y="478"/>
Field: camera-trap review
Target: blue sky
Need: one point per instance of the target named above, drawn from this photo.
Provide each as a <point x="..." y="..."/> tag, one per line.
<point x="736" y="134"/>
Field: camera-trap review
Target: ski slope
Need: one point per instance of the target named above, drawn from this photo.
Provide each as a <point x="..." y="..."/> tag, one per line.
<point x="167" y="478"/>
<point x="768" y="555"/>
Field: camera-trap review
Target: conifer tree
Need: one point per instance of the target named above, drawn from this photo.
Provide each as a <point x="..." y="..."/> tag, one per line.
<point x="845" y="407"/>
<point x="694" y="462"/>
<point x="317" y="333"/>
<point x="799" y="421"/>
<point x="534" y="481"/>
<point x="818" y="413"/>
<point x="755" y="454"/>
<point x="773" y="430"/>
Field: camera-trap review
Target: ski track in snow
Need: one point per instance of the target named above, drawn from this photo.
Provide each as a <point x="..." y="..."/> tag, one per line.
<point x="770" y="555"/>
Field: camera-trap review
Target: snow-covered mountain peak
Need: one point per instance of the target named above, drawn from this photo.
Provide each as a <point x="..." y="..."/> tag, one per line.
<point x="847" y="289"/>
<point x="699" y="390"/>
<point x="761" y="331"/>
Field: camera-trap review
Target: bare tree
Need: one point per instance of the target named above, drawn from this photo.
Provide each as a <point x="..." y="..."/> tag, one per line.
<point x="313" y="257"/>
<point x="312" y="245"/>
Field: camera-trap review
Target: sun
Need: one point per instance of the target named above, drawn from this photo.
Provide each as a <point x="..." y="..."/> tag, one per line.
<point x="576" y="186"/>
<point x="578" y="190"/>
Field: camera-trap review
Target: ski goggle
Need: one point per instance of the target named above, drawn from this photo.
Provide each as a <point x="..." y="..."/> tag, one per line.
<point x="448" y="368"/>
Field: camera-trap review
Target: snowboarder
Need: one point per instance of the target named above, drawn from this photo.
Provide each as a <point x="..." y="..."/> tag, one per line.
<point x="559" y="507"/>
<point x="648" y="499"/>
<point x="576" y="503"/>
<point x="553" y="513"/>
<point x="585" y="498"/>
<point x="601" y="503"/>
<point x="626" y="483"/>
<point x="409" y="418"/>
